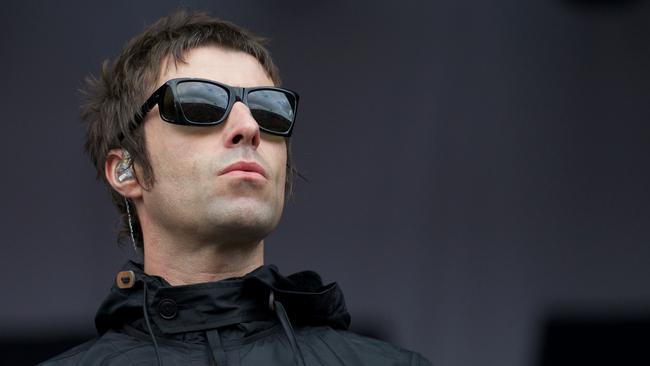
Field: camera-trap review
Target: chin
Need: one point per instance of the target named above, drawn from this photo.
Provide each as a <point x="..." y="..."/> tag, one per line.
<point x="245" y="221"/>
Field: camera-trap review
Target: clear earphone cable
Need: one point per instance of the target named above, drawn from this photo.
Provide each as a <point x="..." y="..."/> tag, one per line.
<point x="128" y="212"/>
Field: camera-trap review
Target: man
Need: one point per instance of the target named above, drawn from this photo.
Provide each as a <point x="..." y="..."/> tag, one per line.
<point x="191" y="132"/>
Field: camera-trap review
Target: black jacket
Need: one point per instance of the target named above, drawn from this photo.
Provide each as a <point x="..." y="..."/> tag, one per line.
<point x="262" y="318"/>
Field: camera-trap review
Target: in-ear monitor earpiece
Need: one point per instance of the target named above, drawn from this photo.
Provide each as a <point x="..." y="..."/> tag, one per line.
<point x="123" y="170"/>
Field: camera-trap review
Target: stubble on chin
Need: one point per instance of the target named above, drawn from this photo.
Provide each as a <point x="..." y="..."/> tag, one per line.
<point x="240" y="220"/>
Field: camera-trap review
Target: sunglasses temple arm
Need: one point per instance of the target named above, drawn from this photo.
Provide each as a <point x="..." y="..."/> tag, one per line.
<point x="146" y="107"/>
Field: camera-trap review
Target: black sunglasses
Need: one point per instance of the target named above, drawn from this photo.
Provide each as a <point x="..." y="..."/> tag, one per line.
<point x="201" y="102"/>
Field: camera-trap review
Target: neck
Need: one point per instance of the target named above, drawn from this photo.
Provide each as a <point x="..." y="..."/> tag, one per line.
<point x="208" y="262"/>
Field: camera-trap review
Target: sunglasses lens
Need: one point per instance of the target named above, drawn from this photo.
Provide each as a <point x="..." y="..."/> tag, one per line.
<point x="202" y="102"/>
<point x="273" y="110"/>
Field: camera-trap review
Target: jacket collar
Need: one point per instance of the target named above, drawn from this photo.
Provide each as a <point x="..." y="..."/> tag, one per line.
<point x="180" y="309"/>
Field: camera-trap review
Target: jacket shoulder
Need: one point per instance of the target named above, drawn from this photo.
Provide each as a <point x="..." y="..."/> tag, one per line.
<point x="71" y="356"/>
<point x="375" y="346"/>
<point x="368" y="350"/>
<point x="95" y="351"/>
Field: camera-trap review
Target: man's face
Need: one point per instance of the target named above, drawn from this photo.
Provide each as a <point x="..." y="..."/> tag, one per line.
<point x="190" y="196"/>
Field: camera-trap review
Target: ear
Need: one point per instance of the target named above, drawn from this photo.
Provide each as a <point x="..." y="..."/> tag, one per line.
<point x="129" y="188"/>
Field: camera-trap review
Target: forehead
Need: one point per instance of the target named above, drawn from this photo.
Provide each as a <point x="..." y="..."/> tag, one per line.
<point x="231" y="67"/>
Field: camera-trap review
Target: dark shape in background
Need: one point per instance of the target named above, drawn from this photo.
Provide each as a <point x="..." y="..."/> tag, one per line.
<point x="605" y="5"/>
<point x="580" y="337"/>
<point x="486" y="161"/>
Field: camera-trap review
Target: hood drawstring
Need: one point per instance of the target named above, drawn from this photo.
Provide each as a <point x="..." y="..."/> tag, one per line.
<point x="288" y="329"/>
<point x="146" y="319"/>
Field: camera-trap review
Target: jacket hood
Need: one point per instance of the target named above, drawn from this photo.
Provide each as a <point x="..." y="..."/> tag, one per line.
<point x="247" y="320"/>
<point x="187" y="308"/>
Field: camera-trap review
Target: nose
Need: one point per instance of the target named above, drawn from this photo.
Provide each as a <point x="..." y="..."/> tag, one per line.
<point x="241" y="127"/>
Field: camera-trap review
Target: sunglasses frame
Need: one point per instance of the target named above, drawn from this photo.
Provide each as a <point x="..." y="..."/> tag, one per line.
<point x="235" y="94"/>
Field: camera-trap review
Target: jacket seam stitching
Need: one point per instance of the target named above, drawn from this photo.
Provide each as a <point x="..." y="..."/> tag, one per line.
<point x="118" y="352"/>
<point x="253" y="338"/>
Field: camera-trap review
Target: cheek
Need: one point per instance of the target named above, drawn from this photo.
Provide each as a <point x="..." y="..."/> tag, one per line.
<point x="171" y="158"/>
<point x="279" y="158"/>
<point x="275" y="155"/>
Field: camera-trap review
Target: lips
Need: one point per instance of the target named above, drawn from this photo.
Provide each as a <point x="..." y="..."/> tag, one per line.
<point x="244" y="166"/>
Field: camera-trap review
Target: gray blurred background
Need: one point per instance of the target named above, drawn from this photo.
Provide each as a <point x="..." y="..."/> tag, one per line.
<point x="478" y="171"/>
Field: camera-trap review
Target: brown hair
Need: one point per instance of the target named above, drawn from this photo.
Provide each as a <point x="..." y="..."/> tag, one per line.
<point x="113" y="99"/>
